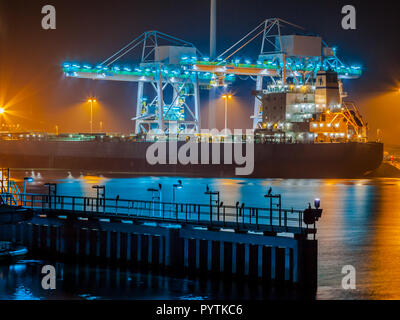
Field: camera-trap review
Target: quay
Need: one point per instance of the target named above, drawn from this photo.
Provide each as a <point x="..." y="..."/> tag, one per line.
<point x="271" y="244"/>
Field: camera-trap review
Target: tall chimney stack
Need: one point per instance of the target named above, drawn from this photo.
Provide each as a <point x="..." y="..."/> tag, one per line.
<point x="213" y="29"/>
<point x="213" y="53"/>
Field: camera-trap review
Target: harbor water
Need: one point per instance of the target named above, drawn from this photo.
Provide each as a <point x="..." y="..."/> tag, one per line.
<point x="359" y="227"/>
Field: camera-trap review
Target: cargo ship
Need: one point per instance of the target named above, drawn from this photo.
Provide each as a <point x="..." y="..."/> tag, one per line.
<point x="298" y="138"/>
<point x="272" y="160"/>
<point x="303" y="126"/>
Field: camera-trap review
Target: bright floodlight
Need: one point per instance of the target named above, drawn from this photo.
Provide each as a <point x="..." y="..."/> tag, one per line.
<point x="2" y="110"/>
<point x="226" y="96"/>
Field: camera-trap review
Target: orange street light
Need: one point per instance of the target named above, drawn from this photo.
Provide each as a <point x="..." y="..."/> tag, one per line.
<point x="2" y="111"/>
<point x="91" y="101"/>
<point x="226" y="97"/>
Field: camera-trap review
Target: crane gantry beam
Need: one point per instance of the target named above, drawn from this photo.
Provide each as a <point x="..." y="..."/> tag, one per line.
<point x="169" y="62"/>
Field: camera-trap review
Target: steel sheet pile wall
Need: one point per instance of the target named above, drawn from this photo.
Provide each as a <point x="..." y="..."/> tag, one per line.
<point x="181" y="251"/>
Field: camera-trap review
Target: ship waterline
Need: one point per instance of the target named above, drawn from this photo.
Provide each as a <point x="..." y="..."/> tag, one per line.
<point x="271" y="160"/>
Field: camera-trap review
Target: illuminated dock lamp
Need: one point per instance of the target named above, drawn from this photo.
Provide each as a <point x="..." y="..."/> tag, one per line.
<point x="270" y="197"/>
<point x="52" y="189"/>
<point x="226" y="97"/>
<point x="100" y="196"/>
<point x="178" y="186"/>
<point x="310" y="215"/>
<point x="91" y="101"/>
<point x="100" y="191"/>
<point x="26" y="181"/>
<point x="156" y="193"/>
<point x="213" y="194"/>
<point x="317" y="203"/>
<point x="2" y="111"/>
<point x="156" y="196"/>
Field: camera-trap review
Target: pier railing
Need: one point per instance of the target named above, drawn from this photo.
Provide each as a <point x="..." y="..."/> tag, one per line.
<point x="201" y="214"/>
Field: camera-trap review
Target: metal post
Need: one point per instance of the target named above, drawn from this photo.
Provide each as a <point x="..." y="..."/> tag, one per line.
<point x="91" y="116"/>
<point x="160" y="98"/>
<point x="198" y="209"/>
<point x="257" y="103"/>
<point x="224" y="215"/>
<point x="218" y="205"/>
<point x="24" y="200"/>
<point x="213" y="29"/>
<point x="250" y="213"/>
<point x="257" y="218"/>
<point x="226" y="113"/>
<point x="285" y="218"/>
<point x="8" y="182"/>
<point x="270" y="210"/>
<point x="197" y="104"/>
<point x="139" y="106"/>
<point x="211" y="208"/>
<point x="280" y="209"/>
<point x="237" y="213"/>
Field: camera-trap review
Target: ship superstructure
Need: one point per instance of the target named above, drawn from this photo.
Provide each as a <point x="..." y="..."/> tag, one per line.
<point x="314" y="112"/>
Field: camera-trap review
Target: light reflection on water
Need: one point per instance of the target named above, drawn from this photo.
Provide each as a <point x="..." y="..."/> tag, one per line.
<point x="79" y="282"/>
<point x="359" y="225"/>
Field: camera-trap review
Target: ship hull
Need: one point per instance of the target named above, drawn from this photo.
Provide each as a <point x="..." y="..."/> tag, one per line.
<point x="323" y="160"/>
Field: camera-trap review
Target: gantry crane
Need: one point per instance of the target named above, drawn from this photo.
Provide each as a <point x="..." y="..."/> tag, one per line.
<point x="168" y="62"/>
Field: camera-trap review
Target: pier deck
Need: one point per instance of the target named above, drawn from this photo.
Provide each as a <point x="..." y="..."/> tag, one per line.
<point x="239" y="218"/>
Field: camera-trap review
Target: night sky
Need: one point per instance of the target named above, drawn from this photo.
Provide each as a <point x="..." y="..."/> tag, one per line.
<point x="38" y="97"/>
